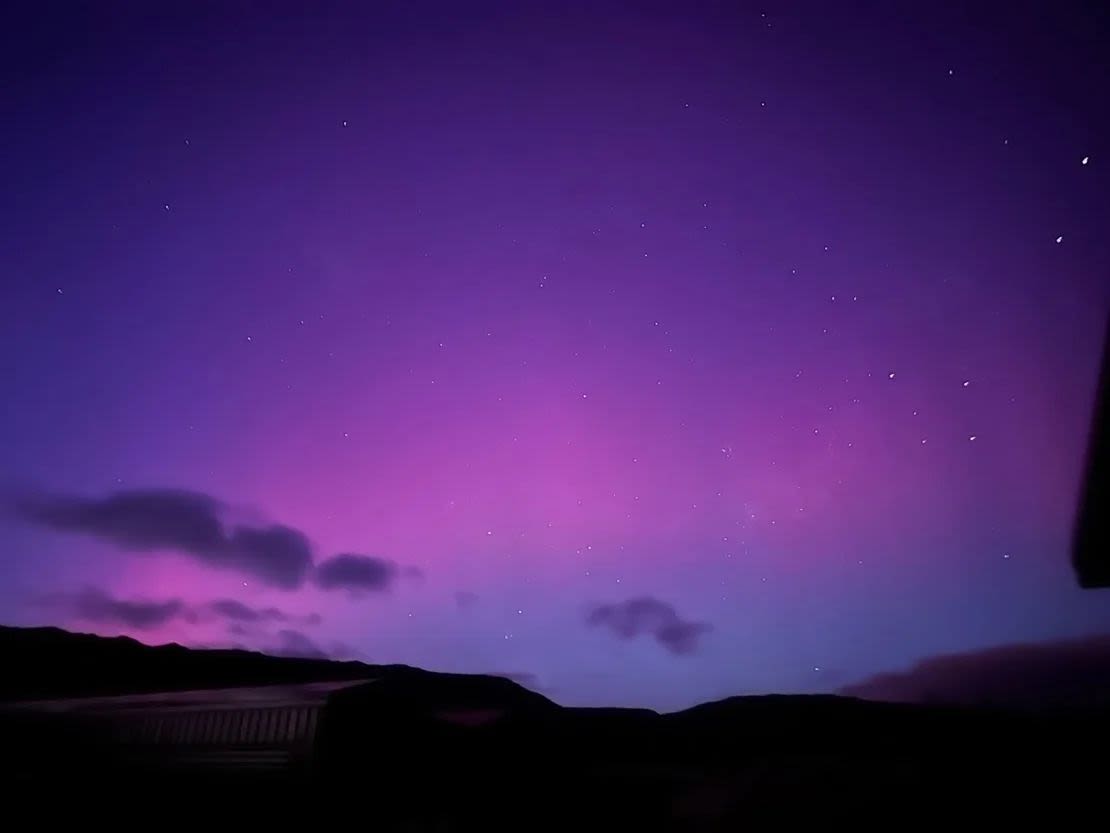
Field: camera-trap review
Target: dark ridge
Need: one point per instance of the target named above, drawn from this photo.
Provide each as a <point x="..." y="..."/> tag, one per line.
<point x="430" y="750"/>
<point x="416" y="690"/>
<point x="49" y="663"/>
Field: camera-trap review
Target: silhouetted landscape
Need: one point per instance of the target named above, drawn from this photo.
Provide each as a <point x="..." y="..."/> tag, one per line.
<point x="451" y="751"/>
<point x="618" y="416"/>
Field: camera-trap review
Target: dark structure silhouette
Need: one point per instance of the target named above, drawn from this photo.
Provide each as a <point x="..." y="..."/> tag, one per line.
<point x="1091" y="549"/>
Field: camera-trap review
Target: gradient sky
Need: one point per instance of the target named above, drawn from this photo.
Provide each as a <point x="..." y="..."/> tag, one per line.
<point x="782" y="319"/>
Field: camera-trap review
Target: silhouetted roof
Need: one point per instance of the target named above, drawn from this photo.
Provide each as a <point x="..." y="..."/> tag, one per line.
<point x="244" y="697"/>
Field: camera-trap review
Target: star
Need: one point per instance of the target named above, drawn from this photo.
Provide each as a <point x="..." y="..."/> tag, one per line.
<point x="1085" y="160"/>
<point x="1060" y="239"/>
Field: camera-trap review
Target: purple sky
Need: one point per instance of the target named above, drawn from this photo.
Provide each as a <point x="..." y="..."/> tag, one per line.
<point x="659" y="352"/>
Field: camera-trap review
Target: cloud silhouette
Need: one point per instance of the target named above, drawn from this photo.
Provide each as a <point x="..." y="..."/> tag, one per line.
<point x="237" y="611"/>
<point x="1064" y="672"/>
<point x="140" y="520"/>
<point x="158" y="520"/>
<point x="349" y="571"/>
<point x="647" y="615"/>
<point x="292" y="643"/>
<point x="232" y="609"/>
<point x="278" y="555"/>
<point x="94" y="605"/>
<point x="153" y="520"/>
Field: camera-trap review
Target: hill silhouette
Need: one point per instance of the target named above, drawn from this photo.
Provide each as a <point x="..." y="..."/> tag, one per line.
<point x="455" y="751"/>
<point x="48" y="663"/>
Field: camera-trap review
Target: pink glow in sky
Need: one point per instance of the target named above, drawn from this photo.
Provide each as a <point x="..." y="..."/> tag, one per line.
<point x="757" y="313"/>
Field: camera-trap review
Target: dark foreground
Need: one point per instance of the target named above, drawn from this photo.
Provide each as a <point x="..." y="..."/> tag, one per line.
<point x="404" y="749"/>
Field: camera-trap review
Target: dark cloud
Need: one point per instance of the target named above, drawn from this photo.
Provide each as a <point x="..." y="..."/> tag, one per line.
<point x="278" y="555"/>
<point x="232" y="609"/>
<point x="238" y="611"/>
<point x="293" y="643"/>
<point x="187" y="522"/>
<point x="1066" y="672"/>
<point x="646" y="615"/>
<point x="465" y="599"/>
<point x="94" y="605"/>
<point x="144" y="520"/>
<point x="155" y="520"/>
<point x="349" y="571"/>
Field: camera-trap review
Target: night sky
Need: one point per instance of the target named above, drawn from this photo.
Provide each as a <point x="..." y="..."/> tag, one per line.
<point x="647" y="353"/>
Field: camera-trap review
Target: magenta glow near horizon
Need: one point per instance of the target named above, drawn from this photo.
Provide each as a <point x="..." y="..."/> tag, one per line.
<point x="647" y="354"/>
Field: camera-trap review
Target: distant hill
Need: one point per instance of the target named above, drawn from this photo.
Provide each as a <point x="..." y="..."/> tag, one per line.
<point x="476" y="749"/>
<point x="51" y="663"/>
<point x="47" y="663"/>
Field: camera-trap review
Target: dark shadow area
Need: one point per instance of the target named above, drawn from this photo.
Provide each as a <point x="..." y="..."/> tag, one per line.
<point x="1091" y="549"/>
<point x="417" y="750"/>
